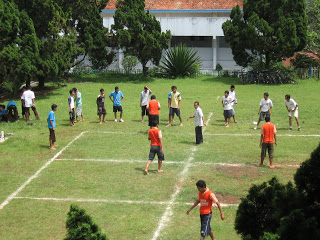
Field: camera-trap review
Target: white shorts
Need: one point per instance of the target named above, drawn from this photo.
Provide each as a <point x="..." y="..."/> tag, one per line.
<point x="79" y="110"/>
<point x="295" y="113"/>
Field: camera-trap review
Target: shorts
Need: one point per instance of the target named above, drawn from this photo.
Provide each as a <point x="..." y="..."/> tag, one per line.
<point x="156" y="150"/>
<point x="144" y="111"/>
<point x="101" y="110"/>
<point x="295" y="113"/>
<point x="71" y="115"/>
<point x="205" y="224"/>
<point x="79" y="110"/>
<point x="117" y="109"/>
<point x="264" y="148"/>
<point x="23" y="110"/>
<point x="263" y="115"/>
<point x="153" y="120"/>
<point x="52" y="136"/>
<point x="227" y="114"/>
<point x="27" y="109"/>
<point x="174" y="111"/>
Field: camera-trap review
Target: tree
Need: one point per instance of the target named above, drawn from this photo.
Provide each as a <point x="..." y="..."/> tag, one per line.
<point x="276" y="211"/>
<point x="313" y="20"/>
<point x="268" y="30"/>
<point x="18" y="46"/>
<point x="138" y="32"/>
<point x="81" y="227"/>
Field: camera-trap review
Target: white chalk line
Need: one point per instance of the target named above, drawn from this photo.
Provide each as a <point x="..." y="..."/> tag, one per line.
<point x="166" y="217"/>
<point x="111" y="201"/>
<point x="252" y="134"/>
<point x="14" y="194"/>
<point x="169" y="162"/>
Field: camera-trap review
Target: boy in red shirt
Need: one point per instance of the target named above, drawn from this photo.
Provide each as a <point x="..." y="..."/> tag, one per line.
<point x="155" y="136"/>
<point x="206" y="198"/>
<point x="268" y="133"/>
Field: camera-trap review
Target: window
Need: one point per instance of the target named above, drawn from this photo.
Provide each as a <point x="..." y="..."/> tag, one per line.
<point x="192" y="41"/>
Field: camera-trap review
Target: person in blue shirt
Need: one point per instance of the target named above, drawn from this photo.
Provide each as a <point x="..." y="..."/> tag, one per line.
<point x="78" y="99"/>
<point x="12" y="111"/>
<point x="116" y="97"/>
<point x="52" y="126"/>
<point x="3" y="113"/>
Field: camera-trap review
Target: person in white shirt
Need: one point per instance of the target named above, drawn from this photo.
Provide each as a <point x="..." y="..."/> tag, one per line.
<point x="232" y="93"/>
<point x="265" y="108"/>
<point x="71" y="107"/>
<point x="292" y="107"/>
<point x="227" y="106"/>
<point x="144" y="99"/>
<point x="28" y="102"/>
<point x="199" y="122"/>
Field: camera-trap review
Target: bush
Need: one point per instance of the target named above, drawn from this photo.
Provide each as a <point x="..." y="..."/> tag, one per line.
<point x="304" y="61"/>
<point x="181" y="61"/>
<point x="219" y="68"/>
<point x="81" y="227"/>
<point x="129" y="62"/>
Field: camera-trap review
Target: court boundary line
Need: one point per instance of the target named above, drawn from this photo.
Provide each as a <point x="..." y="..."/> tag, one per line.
<point x="36" y="174"/>
<point x="169" y="162"/>
<point x="111" y="201"/>
<point x="166" y="217"/>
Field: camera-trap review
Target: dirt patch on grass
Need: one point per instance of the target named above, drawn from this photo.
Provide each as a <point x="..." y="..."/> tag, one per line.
<point x="227" y="198"/>
<point x="240" y="172"/>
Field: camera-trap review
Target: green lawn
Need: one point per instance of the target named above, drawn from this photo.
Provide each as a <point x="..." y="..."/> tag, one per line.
<point x="102" y="170"/>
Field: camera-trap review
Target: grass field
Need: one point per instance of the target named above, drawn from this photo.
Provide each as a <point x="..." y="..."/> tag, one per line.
<point x="100" y="167"/>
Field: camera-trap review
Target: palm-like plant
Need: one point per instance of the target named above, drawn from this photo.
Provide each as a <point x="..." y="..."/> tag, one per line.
<point x="180" y="61"/>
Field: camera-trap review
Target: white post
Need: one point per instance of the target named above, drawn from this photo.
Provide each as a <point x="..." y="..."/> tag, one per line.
<point x="214" y="54"/>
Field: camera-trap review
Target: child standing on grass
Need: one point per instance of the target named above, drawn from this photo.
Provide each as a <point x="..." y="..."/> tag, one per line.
<point x="292" y="108"/>
<point x="51" y="119"/>
<point x="155" y="136"/>
<point x="174" y="102"/>
<point x="265" y="109"/>
<point x="78" y="99"/>
<point x="71" y="107"/>
<point x="232" y="93"/>
<point x="206" y="198"/>
<point x="199" y="122"/>
<point x="101" y="107"/>
<point x="227" y="106"/>
<point x="116" y="98"/>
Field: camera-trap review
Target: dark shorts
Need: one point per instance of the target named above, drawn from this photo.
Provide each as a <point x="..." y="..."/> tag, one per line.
<point x="144" y="111"/>
<point x="174" y="111"/>
<point x="156" y="150"/>
<point x="72" y="115"/>
<point x="205" y="224"/>
<point x="101" y="110"/>
<point x="153" y="120"/>
<point x="264" y="148"/>
<point x="263" y="115"/>
<point x="27" y="109"/>
<point x="227" y="113"/>
<point x="117" y="109"/>
<point x="52" y="136"/>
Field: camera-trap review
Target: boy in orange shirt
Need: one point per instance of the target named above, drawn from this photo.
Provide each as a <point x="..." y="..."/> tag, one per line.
<point x="268" y="132"/>
<point x="206" y="198"/>
<point x="155" y="136"/>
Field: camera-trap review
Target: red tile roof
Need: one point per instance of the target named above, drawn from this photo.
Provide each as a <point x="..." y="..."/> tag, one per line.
<point x="184" y="4"/>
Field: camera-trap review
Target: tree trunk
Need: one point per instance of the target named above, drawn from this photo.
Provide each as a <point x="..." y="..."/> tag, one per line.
<point x="144" y="69"/>
<point x="41" y="81"/>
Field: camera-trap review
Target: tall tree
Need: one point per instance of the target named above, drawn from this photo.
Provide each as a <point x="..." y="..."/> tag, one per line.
<point x="268" y="30"/>
<point x="18" y="46"/>
<point x="313" y="18"/>
<point x="138" y="32"/>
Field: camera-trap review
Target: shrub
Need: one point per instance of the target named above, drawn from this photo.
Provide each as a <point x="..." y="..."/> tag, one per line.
<point x="180" y="61"/>
<point x="81" y="227"/>
<point x="129" y="62"/>
<point x="219" y="68"/>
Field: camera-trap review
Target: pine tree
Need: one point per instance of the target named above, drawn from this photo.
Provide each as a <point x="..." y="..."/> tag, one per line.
<point x="138" y="32"/>
<point x="267" y="30"/>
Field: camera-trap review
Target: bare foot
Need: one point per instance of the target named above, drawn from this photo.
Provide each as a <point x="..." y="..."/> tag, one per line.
<point x="173" y="120"/>
<point x="271" y="166"/>
<point x="227" y="125"/>
<point x="181" y="124"/>
<point x="81" y="120"/>
<point x="169" y="125"/>
<point x="142" y="121"/>
<point x="105" y="120"/>
<point x="235" y="121"/>
<point x="52" y="148"/>
<point x="75" y="121"/>
<point x="146" y="172"/>
<point x="160" y="170"/>
<point x="100" y="122"/>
